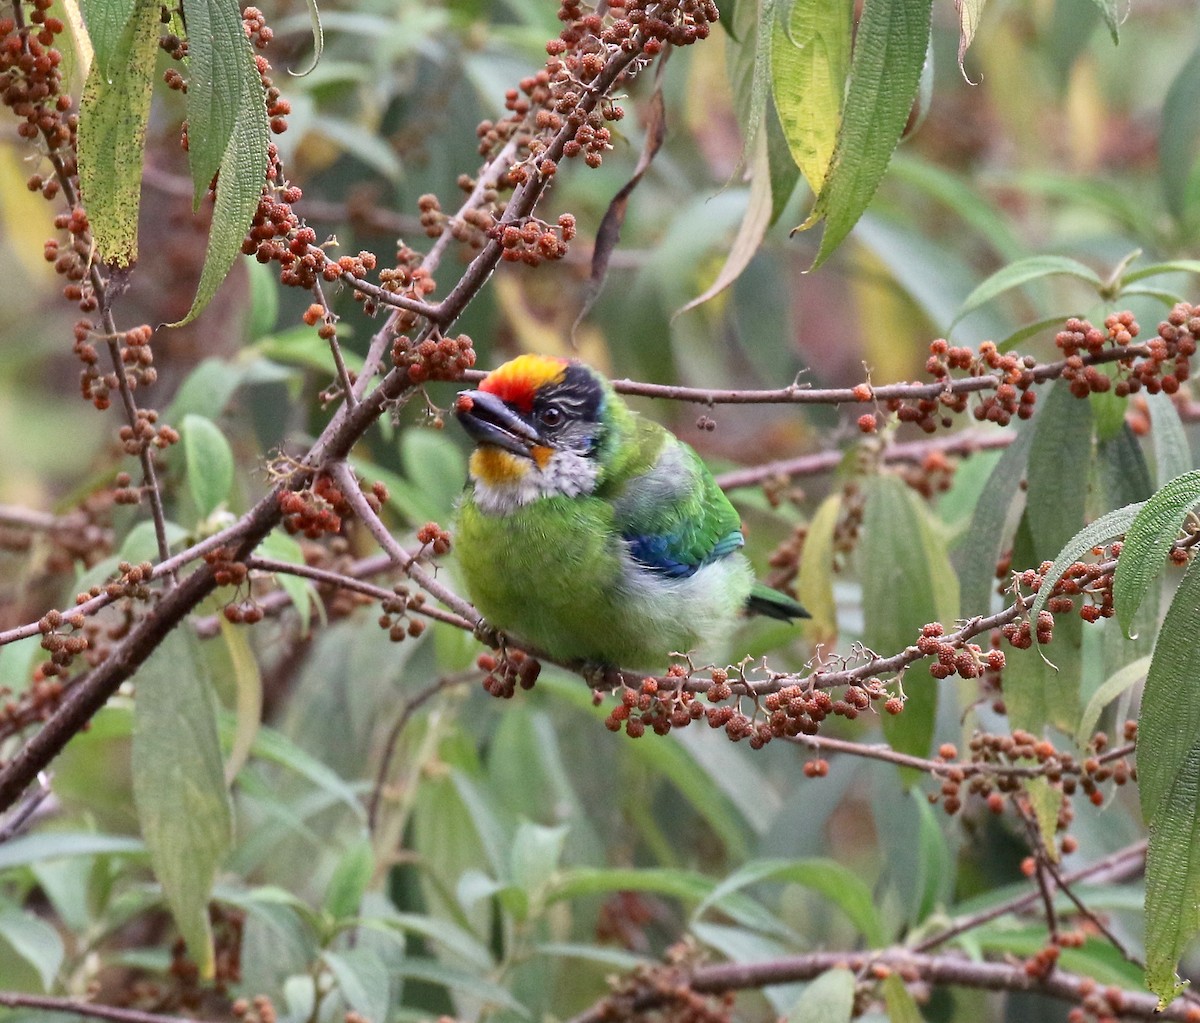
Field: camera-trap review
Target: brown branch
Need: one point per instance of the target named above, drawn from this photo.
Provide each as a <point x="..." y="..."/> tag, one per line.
<point x="91" y="1010"/>
<point x="944" y="969"/>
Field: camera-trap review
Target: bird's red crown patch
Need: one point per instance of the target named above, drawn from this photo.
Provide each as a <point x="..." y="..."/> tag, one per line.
<point x="517" y="381"/>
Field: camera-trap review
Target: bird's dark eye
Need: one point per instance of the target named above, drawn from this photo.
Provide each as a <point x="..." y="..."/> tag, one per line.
<point x="551" y="416"/>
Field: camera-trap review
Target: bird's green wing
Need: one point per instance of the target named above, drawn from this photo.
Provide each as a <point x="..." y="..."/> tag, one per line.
<point x="670" y="509"/>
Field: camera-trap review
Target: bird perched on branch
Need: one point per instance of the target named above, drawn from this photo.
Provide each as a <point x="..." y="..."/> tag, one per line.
<point x="591" y="532"/>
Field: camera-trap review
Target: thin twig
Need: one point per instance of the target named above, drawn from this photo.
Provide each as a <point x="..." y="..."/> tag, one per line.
<point x="389" y="749"/>
<point x="91" y="1010"/>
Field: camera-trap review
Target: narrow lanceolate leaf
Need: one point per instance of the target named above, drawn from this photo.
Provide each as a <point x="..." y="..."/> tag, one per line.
<point x="1112" y="687"/>
<point x="810" y="58"/>
<point x="1169" y="786"/>
<point x="885" y="71"/>
<point x="814" y="583"/>
<point x="1147" y="542"/>
<point x="112" y="134"/>
<point x="753" y="227"/>
<point x="1172" y="453"/>
<point x="209" y="463"/>
<point x="907" y="582"/>
<point x="1104" y="530"/>
<point x="1114" y="12"/>
<point x="106" y="21"/>
<point x="969" y="13"/>
<point x="1059" y="467"/>
<point x="239" y="185"/>
<point x="828" y="999"/>
<point x="219" y="55"/>
<point x="1179" y="139"/>
<point x="1023" y="271"/>
<point x="987" y="536"/>
<point x="753" y="80"/>
<point x="179" y="785"/>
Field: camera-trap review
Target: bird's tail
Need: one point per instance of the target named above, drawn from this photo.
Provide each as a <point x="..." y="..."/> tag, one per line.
<point x="765" y="601"/>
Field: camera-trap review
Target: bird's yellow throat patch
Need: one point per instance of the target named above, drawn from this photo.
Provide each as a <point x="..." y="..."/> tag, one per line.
<point x="518" y="380"/>
<point x="495" y="467"/>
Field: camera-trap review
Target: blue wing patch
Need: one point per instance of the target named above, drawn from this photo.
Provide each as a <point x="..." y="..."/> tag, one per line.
<point x="667" y="556"/>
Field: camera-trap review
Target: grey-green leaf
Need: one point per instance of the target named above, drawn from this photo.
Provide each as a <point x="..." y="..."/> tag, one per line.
<point x="179" y="784"/>
<point x="209" y="461"/>
<point x="828" y="999"/>
<point x="1147" y="542"/>
<point x="1023" y="271"/>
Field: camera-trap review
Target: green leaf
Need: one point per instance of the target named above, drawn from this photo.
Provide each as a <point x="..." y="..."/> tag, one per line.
<point x="889" y="52"/>
<point x="1114" y="12"/>
<point x="1190" y="266"/>
<point x="842" y="886"/>
<point x="318" y="31"/>
<point x="1112" y="687"/>
<point x="810" y="58"/>
<point x="33" y="940"/>
<point x="362" y="978"/>
<point x="1032" y="268"/>
<point x="219" y="55"/>
<point x="1169" y="723"/>
<point x="29" y="849"/>
<point x="814" y="583"/>
<point x="536" y="851"/>
<point x="209" y="460"/>
<point x="112" y="132"/>
<point x="603" y="955"/>
<point x="1179" y="141"/>
<point x="350" y="879"/>
<point x="986" y="536"/>
<point x="281" y="547"/>
<point x="829" y="998"/>
<point x="1104" y="530"/>
<point x="1059" y="466"/>
<point x="279" y="749"/>
<point x="242" y="155"/>
<point x="1031" y="329"/>
<point x="465" y="981"/>
<point x="1172" y="453"/>
<point x="1147" y="542"/>
<point x="1169" y="780"/>
<point x="751" y="78"/>
<point x="179" y="785"/>
<point x="901" y="1005"/>
<point x="900" y="554"/>
<point x="248" y="695"/>
<point x="106" y="21"/>
<point x="751" y="230"/>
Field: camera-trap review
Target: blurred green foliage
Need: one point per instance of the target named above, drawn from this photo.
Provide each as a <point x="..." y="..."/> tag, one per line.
<point x="521" y="853"/>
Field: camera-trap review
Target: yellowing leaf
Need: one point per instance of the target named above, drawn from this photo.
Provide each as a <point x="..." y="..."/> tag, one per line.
<point x="810" y="57"/>
<point x="112" y="135"/>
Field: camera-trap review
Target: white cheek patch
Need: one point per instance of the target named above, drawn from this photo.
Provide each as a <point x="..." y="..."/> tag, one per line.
<point x="564" y="474"/>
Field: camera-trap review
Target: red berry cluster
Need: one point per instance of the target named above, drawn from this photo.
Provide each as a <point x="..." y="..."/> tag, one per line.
<point x="790" y="711"/>
<point x="146" y="432"/>
<point x="534" y="240"/>
<point x="1094" y="582"/>
<point x="1000" y="764"/>
<point x="961" y="658"/>
<point x="435" y="358"/>
<point x="1160" y="364"/>
<point x="1021" y="634"/>
<point x="1108" y="1005"/>
<point x="395" y="618"/>
<point x="63" y="649"/>
<point x="1011" y="397"/>
<point x="504" y="673"/>
<point x="308" y="512"/>
<point x="432" y="535"/>
<point x="554" y="106"/>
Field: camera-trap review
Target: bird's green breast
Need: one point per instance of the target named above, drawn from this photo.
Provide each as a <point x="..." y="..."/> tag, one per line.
<point x="555" y="574"/>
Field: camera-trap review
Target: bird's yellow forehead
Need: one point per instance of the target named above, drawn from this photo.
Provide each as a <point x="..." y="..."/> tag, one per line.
<point x="517" y="381"/>
<point x="495" y="467"/>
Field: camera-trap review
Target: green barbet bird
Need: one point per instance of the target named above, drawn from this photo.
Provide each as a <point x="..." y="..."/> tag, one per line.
<point x="592" y="533"/>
